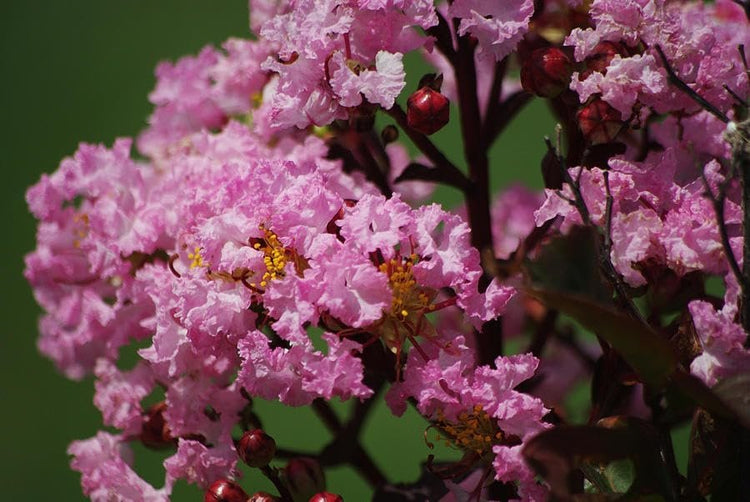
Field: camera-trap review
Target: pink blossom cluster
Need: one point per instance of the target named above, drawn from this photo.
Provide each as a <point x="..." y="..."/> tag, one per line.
<point x="246" y="256"/>
<point x="661" y="217"/>
<point x="223" y="255"/>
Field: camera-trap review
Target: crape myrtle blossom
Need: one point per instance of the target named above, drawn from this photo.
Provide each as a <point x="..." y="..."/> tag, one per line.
<point x="335" y="54"/>
<point x="203" y="92"/>
<point x="223" y="256"/>
<point x="661" y="216"/>
<point x="654" y="218"/>
<point x="497" y="26"/>
<point x="699" y="39"/>
<point x="475" y="409"/>
<point x="105" y="462"/>
<point x="722" y="339"/>
<point x="258" y="249"/>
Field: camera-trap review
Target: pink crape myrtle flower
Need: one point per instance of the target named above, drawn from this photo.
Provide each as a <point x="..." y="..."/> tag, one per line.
<point x="723" y="340"/>
<point x="475" y="407"/>
<point x="203" y="92"/>
<point x="104" y="462"/>
<point x="654" y="217"/>
<point x="700" y="42"/>
<point x="497" y="26"/>
<point x="334" y="55"/>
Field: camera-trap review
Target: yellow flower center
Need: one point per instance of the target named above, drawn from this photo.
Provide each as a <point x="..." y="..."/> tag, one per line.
<point x="196" y="258"/>
<point x="410" y="302"/>
<point x="275" y="256"/>
<point x="408" y="298"/>
<point x="80" y="228"/>
<point x="474" y="431"/>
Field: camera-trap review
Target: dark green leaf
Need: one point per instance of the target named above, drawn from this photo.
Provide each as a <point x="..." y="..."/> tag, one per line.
<point x="735" y="392"/>
<point x="643" y="348"/>
<point x="615" y="460"/>
<point x="620" y="475"/>
<point x="570" y="264"/>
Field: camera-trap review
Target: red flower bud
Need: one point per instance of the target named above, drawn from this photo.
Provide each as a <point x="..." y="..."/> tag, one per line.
<point x="262" y="497"/>
<point x="304" y="478"/>
<point x="427" y="110"/>
<point x="155" y="431"/>
<point x="256" y="448"/>
<point x="546" y="72"/>
<point x="599" y="122"/>
<point x="223" y="490"/>
<point x="326" y="497"/>
<point x="602" y="55"/>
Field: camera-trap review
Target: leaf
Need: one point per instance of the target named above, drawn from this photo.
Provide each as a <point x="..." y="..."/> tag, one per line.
<point x="570" y="264"/>
<point x="619" y="456"/>
<point x="620" y="474"/>
<point x="644" y="349"/>
<point x="735" y="393"/>
<point x="420" y="172"/>
<point x="718" y="462"/>
<point x="555" y="454"/>
<point x="708" y="398"/>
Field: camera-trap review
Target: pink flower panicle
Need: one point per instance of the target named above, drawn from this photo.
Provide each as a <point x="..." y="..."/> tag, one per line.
<point x="259" y="250"/>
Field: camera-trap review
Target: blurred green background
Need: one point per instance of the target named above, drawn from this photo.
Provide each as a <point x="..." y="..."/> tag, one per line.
<point x="81" y="71"/>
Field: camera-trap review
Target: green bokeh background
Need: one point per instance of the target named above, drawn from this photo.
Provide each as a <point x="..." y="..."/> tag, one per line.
<point x="81" y="71"/>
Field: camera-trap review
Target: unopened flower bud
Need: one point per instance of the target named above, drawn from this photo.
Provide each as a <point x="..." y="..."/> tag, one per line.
<point x="546" y="72"/>
<point x="326" y="497"/>
<point x="389" y="134"/>
<point x="427" y="110"/>
<point x="604" y="52"/>
<point x="256" y="448"/>
<point x="262" y="497"/>
<point x="304" y="478"/>
<point x="223" y="490"/>
<point x="155" y="432"/>
<point x="599" y="122"/>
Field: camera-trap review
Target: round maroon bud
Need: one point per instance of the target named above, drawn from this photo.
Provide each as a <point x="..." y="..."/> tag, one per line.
<point x="427" y="110"/>
<point x="155" y="432"/>
<point x="602" y="55"/>
<point x="599" y="122"/>
<point x="546" y="72"/>
<point x="262" y="497"/>
<point x="304" y="478"/>
<point x="223" y="490"/>
<point x="256" y="448"/>
<point x="389" y="134"/>
<point x="326" y="497"/>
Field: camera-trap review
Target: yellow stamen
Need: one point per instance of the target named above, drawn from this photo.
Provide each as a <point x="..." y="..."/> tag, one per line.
<point x="196" y="258"/>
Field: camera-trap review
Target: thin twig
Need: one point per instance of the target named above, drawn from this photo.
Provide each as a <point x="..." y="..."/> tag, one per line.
<point x="718" y="200"/>
<point x="448" y="172"/>
<point x="443" y="38"/>
<point x="496" y="90"/>
<point x="681" y="85"/>
<point x="273" y="476"/>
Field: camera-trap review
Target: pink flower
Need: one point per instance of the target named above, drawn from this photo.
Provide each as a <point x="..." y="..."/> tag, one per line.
<point x="459" y="397"/>
<point x="119" y="395"/>
<point x="513" y="218"/>
<point x="723" y="340"/>
<point x="332" y="54"/>
<point x="104" y="463"/>
<point x="200" y="465"/>
<point x="498" y="26"/>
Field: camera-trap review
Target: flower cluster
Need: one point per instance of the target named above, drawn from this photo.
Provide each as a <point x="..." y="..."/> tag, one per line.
<point x="269" y="243"/>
